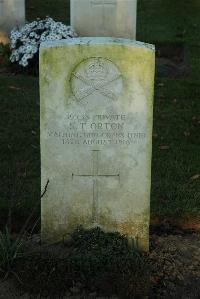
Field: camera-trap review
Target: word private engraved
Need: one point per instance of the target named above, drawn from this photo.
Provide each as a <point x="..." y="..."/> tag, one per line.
<point x="95" y="175"/>
<point x="96" y="76"/>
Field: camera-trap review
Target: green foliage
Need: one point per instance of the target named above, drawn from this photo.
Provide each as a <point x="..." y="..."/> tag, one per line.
<point x="19" y="150"/>
<point x="176" y="125"/>
<point x="11" y="249"/>
<point x="176" y="116"/>
<point x="96" y="261"/>
<point x="58" y="10"/>
<point x="94" y="239"/>
<point x="97" y="252"/>
<point x="169" y="21"/>
<point x="4" y="55"/>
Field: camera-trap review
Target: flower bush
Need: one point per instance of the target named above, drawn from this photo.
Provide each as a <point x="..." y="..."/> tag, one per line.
<point x="26" y="41"/>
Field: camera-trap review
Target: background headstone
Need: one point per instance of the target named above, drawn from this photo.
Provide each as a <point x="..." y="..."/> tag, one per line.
<point x="112" y="18"/>
<point x="96" y="135"/>
<point x="12" y="13"/>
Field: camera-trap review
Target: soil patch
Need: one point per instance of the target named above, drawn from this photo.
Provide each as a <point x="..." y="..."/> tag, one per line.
<point x="89" y="264"/>
<point x="175" y="226"/>
<point x="174" y="261"/>
<point x="175" y="266"/>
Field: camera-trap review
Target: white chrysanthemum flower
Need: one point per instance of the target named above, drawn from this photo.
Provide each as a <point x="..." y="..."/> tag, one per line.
<point x="17" y="57"/>
<point x="26" y="41"/>
<point x="43" y="38"/>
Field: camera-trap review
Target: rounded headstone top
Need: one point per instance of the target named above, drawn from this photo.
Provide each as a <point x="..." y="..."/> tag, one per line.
<point x="98" y="41"/>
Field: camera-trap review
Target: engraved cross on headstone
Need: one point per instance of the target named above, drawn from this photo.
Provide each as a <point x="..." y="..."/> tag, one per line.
<point x="103" y="4"/>
<point x="95" y="175"/>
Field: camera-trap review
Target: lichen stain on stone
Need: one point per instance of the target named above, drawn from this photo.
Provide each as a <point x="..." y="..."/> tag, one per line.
<point x="136" y="229"/>
<point x="58" y="64"/>
<point x="53" y="231"/>
<point x="57" y="61"/>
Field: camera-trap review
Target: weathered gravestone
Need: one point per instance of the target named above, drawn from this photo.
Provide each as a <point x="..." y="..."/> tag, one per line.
<point x="96" y="131"/>
<point x="12" y="14"/>
<point x="113" y="18"/>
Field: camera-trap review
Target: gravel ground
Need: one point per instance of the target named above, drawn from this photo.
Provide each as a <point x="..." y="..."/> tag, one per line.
<point x="175" y="263"/>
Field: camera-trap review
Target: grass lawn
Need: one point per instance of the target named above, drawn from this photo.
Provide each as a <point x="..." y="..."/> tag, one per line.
<point x="176" y="141"/>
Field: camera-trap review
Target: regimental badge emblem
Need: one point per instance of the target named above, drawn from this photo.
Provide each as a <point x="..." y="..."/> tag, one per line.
<point x="96" y="76"/>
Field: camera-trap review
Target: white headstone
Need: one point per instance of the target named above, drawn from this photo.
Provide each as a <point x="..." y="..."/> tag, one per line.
<point x="12" y="14"/>
<point x="112" y="18"/>
<point x="96" y="135"/>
